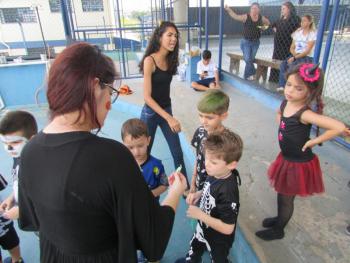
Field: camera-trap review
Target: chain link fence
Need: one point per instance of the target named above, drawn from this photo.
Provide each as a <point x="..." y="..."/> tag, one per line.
<point x="337" y="82"/>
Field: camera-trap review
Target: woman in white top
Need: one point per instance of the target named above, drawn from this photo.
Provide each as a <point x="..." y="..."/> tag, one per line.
<point x="301" y="48"/>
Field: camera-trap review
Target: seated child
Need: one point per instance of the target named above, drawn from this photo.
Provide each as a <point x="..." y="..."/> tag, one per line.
<point x="219" y="199"/>
<point x="135" y="137"/>
<point x="16" y="129"/>
<point x="208" y="73"/>
<point x="213" y="110"/>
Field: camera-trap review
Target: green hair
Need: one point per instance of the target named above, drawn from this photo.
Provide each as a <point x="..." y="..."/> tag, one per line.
<point x="214" y="101"/>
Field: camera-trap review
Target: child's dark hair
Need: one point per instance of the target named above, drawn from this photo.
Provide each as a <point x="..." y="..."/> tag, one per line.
<point x="206" y="54"/>
<point x="225" y="145"/>
<point x="135" y="128"/>
<point x="154" y="45"/>
<point x="19" y="121"/>
<point x="315" y="88"/>
<point x="214" y="101"/>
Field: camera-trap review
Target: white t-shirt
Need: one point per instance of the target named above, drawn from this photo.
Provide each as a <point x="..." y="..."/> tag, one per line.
<point x="210" y="68"/>
<point x="301" y="40"/>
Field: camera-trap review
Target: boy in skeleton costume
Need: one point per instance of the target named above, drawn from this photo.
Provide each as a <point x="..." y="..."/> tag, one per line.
<point x="219" y="200"/>
<point x="16" y="128"/>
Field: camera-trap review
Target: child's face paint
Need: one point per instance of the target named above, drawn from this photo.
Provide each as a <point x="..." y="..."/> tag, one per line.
<point x="14" y="143"/>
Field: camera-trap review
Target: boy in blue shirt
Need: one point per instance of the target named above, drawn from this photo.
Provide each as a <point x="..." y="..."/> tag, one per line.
<point x="135" y="137"/>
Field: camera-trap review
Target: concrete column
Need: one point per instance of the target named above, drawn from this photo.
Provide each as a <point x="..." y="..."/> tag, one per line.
<point x="181" y="17"/>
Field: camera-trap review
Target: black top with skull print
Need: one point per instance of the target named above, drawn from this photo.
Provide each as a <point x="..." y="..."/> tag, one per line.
<point x="197" y="142"/>
<point x="220" y="199"/>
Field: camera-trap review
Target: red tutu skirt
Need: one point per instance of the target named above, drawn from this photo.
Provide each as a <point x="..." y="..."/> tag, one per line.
<point x="296" y="178"/>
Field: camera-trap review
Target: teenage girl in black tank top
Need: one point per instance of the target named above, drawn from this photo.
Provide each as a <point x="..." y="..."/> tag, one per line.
<point x="158" y="66"/>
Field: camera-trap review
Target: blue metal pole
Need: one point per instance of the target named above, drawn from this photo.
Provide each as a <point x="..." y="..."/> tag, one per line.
<point x="200" y="24"/>
<point x="206" y="25"/>
<point x="320" y="30"/>
<point x="330" y="34"/>
<point x="65" y="19"/>
<point x="171" y="10"/>
<point x="221" y="32"/>
<point x="121" y="39"/>
<point x="188" y="24"/>
<point x="162" y="6"/>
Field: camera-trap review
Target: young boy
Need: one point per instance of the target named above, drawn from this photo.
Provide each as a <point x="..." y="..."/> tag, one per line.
<point x="16" y="129"/>
<point x="135" y="137"/>
<point x="212" y="109"/>
<point x="208" y="73"/>
<point x="219" y="199"/>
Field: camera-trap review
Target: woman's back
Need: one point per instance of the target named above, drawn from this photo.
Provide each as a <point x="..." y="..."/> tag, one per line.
<point x="81" y="193"/>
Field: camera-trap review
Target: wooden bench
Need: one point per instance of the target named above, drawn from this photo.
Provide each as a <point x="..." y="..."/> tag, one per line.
<point x="262" y="65"/>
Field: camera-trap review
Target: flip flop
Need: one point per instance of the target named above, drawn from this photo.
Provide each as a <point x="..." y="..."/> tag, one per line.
<point x="125" y="90"/>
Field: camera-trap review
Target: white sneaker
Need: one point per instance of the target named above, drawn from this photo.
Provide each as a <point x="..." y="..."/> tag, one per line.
<point x="280" y="89"/>
<point x="251" y="78"/>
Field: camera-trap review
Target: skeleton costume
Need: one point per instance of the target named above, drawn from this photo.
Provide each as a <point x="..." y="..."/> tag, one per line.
<point x="220" y="199"/>
<point x="200" y="135"/>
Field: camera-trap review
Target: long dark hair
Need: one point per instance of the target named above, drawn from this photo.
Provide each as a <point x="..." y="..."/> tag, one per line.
<point x="292" y="10"/>
<point x="172" y="58"/>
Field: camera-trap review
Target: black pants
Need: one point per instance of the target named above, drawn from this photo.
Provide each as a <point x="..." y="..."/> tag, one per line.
<point x="218" y="251"/>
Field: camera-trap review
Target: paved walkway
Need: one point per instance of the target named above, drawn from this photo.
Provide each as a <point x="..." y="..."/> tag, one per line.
<point x="316" y="232"/>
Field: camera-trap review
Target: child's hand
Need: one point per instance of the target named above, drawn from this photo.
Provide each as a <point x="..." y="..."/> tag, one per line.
<point x="13" y="213"/>
<point x="6" y="204"/>
<point x="202" y="75"/>
<point x="194" y="212"/>
<point x="308" y="144"/>
<point x="193" y="198"/>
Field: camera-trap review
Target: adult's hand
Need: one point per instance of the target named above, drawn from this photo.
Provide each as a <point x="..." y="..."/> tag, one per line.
<point x="179" y="185"/>
<point x="174" y="124"/>
<point x="290" y="60"/>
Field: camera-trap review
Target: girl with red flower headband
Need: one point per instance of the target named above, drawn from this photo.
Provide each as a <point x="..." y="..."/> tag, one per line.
<point x="296" y="170"/>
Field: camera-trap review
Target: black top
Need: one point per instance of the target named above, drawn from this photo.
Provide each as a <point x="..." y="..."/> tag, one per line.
<point x="250" y="28"/>
<point x="161" y="86"/>
<point x="199" y="136"/>
<point x="220" y="199"/>
<point x="292" y="135"/>
<point x="88" y="199"/>
<point x="283" y="36"/>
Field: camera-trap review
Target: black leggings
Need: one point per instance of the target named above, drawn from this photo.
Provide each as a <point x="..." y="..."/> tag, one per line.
<point x="285" y="208"/>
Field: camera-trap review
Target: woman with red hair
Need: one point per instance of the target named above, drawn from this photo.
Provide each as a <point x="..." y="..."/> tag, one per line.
<point x="85" y="194"/>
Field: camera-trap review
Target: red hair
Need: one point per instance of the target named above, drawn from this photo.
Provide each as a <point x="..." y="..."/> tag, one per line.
<point x="71" y="78"/>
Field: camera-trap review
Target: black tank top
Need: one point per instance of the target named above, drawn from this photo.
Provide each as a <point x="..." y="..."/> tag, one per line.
<point x="292" y="135"/>
<point x="250" y="28"/>
<point x="161" y="86"/>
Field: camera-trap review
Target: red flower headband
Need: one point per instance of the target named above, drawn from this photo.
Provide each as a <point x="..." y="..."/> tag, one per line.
<point x="310" y="72"/>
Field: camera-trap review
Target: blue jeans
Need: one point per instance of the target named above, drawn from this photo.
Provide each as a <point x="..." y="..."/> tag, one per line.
<point x="249" y="49"/>
<point x="153" y="120"/>
<point x="285" y="66"/>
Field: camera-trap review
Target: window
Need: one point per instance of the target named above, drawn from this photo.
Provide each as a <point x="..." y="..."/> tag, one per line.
<point x="55" y="5"/>
<point x="13" y="15"/>
<point x="92" y="5"/>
